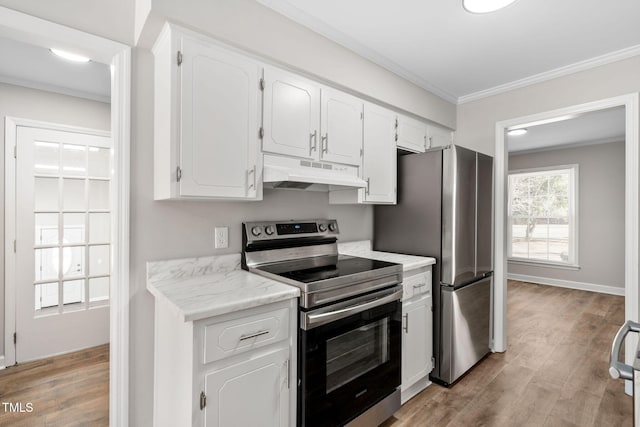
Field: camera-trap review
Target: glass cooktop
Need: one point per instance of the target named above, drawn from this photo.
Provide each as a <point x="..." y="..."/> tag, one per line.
<point x="323" y="268"/>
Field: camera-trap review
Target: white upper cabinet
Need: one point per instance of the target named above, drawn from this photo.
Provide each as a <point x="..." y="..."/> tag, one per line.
<point x="304" y="120"/>
<point x="291" y="114"/>
<point x="379" y="159"/>
<point x="438" y="136"/>
<point x="341" y="127"/>
<point x="412" y="134"/>
<point x="207" y="120"/>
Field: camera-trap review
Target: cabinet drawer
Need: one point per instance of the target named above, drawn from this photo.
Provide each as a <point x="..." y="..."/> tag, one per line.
<point x="418" y="284"/>
<point x="239" y="335"/>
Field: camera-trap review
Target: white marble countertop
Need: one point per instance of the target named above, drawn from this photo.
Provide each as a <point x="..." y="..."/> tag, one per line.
<point x="363" y="249"/>
<point x="211" y="286"/>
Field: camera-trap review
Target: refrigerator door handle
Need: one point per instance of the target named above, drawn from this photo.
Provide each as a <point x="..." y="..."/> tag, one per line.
<point x="618" y="369"/>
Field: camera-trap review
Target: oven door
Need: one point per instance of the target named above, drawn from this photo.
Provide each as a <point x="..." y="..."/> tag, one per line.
<point x="350" y="355"/>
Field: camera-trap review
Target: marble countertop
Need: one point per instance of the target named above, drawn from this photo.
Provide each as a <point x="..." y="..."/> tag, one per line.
<point x="363" y="249"/>
<point x="211" y="286"/>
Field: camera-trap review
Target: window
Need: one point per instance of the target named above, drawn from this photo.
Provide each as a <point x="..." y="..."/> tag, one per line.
<point x="542" y="215"/>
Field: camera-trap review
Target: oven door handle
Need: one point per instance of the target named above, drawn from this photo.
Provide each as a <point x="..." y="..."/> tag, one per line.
<point x="311" y="321"/>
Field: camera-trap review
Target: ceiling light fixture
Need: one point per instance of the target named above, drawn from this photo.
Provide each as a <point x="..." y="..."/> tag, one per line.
<point x="69" y="56"/>
<point x="517" y="132"/>
<point x="485" y="6"/>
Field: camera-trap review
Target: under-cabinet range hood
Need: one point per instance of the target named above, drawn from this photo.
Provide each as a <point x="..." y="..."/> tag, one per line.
<point x="290" y="173"/>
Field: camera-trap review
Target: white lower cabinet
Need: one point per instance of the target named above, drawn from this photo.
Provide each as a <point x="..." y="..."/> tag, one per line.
<point x="236" y="369"/>
<point x="251" y="393"/>
<point x="417" y="334"/>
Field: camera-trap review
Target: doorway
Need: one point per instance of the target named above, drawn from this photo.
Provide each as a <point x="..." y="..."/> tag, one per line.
<point x="27" y="29"/>
<point x="62" y="206"/>
<point x="631" y="104"/>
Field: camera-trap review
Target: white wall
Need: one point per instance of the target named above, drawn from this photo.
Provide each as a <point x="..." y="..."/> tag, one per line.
<point x="600" y="210"/>
<point x="477" y="119"/>
<point x="34" y="104"/>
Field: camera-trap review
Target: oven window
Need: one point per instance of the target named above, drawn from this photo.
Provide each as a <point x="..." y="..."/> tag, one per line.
<point x="356" y="352"/>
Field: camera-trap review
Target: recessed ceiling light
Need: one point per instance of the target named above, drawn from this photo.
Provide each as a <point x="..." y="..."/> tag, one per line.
<point x="485" y="6"/>
<point x="517" y="132"/>
<point x="69" y="56"/>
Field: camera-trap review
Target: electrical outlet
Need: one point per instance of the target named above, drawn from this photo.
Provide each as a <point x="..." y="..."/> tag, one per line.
<point x="221" y="237"/>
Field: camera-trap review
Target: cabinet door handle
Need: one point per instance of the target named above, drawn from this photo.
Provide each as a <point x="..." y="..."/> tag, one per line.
<point x="252" y="171"/>
<point x="253" y="334"/>
<point x="368" y="186"/>
<point x="406" y="319"/>
<point x="325" y="143"/>
<point x="314" y="137"/>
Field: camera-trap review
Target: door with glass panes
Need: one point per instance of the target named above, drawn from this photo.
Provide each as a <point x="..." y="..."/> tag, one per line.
<point x="63" y="241"/>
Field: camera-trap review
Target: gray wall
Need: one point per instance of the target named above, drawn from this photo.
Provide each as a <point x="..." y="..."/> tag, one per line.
<point x="34" y="104"/>
<point x="477" y="119"/>
<point x="600" y="210"/>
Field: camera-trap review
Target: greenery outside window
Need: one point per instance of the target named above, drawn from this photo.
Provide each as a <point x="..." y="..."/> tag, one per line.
<point x="542" y="215"/>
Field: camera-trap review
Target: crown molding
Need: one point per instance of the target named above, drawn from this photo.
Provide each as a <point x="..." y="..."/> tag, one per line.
<point x="316" y="25"/>
<point x="46" y="87"/>
<point x="568" y="145"/>
<point x="587" y="64"/>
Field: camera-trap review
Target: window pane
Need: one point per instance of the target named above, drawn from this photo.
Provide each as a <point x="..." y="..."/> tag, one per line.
<point x="73" y="292"/>
<point x="45" y="158"/>
<point x="46" y="229"/>
<point x="46" y="194"/>
<point x="99" y="161"/>
<point x="99" y="228"/>
<point x="99" y="195"/>
<point x="73" y="195"/>
<point x="46" y="295"/>
<point x="74" y="160"/>
<point x="73" y="261"/>
<point x="99" y="289"/>
<point x="540" y="205"/>
<point x="46" y="264"/>
<point x="74" y="226"/>
<point x="99" y="260"/>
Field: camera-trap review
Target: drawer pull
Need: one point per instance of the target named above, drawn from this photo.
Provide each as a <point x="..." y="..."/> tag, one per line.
<point x="253" y="335"/>
<point x="421" y="285"/>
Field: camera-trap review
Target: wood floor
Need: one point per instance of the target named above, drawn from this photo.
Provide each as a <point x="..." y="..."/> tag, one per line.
<point x="67" y="390"/>
<point x="554" y="372"/>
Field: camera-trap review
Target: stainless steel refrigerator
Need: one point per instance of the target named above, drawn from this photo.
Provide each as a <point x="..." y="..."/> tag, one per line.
<point x="444" y="211"/>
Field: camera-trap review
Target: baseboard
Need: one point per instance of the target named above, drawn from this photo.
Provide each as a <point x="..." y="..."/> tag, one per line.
<point x="416" y="388"/>
<point x="591" y="287"/>
<point x="2" y="362"/>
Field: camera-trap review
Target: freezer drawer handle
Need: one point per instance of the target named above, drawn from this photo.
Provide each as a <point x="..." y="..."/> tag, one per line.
<point x="618" y="369"/>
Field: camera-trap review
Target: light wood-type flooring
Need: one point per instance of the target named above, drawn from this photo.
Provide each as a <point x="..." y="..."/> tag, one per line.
<point x="554" y="372"/>
<point x="67" y="390"/>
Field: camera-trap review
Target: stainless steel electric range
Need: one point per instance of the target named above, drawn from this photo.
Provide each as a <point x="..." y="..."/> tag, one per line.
<point x="349" y="353"/>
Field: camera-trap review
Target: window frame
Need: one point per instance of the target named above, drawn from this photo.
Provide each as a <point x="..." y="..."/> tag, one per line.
<point x="574" y="193"/>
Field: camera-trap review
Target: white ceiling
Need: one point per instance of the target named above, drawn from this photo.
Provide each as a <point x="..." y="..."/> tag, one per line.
<point x="462" y="56"/>
<point x="36" y="67"/>
<point x="591" y="128"/>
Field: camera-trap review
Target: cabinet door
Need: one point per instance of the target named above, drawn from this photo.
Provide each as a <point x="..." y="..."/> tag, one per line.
<point x="291" y="115"/>
<point x="412" y="134"/>
<point x="252" y="393"/>
<point x="438" y="137"/>
<point x="220" y="122"/>
<point x="341" y="124"/>
<point x="379" y="158"/>
<point x="416" y="341"/>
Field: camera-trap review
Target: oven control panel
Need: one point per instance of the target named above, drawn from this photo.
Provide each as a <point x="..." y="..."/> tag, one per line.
<point x="263" y="230"/>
